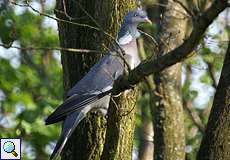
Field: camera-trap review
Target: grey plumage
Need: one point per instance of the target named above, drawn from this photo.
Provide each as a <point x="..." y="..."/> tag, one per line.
<point x="94" y="89"/>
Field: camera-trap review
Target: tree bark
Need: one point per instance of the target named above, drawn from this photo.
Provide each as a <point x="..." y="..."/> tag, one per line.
<point x="168" y="118"/>
<point x="146" y="141"/>
<point x="120" y="129"/>
<point x="215" y="144"/>
<point x="87" y="142"/>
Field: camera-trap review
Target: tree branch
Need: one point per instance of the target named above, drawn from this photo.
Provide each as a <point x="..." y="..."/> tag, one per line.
<point x="185" y="8"/>
<point x="178" y="54"/>
<point x="211" y="73"/>
<point x="194" y="116"/>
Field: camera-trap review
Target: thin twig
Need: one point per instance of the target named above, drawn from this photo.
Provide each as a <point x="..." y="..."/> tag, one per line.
<point x="61" y="20"/>
<point x="65" y="11"/>
<point x="18" y="4"/>
<point x="94" y="20"/>
<point x="52" y="48"/>
<point x="210" y="70"/>
<point x="167" y="7"/>
<point x="194" y="116"/>
<point x="151" y="37"/>
<point x="185" y="8"/>
<point x="129" y="111"/>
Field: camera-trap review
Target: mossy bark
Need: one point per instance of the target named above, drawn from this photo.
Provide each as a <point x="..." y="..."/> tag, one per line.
<point x="216" y="142"/>
<point x="168" y="118"/>
<point x="87" y="142"/>
<point x="120" y="130"/>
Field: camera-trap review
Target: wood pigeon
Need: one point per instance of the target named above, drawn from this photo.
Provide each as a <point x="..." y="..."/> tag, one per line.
<point x="93" y="91"/>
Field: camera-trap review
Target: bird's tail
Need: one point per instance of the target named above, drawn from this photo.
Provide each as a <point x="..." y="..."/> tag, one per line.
<point x="69" y="126"/>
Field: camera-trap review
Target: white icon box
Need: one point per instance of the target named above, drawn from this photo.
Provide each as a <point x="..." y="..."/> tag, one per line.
<point x="10" y="148"/>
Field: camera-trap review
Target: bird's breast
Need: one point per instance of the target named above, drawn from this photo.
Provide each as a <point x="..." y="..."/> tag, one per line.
<point x="131" y="53"/>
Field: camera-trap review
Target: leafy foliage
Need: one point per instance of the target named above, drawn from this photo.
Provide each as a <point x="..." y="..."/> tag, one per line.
<point x="30" y="81"/>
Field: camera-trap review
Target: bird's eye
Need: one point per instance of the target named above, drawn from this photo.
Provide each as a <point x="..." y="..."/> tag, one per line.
<point x="135" y="15"/>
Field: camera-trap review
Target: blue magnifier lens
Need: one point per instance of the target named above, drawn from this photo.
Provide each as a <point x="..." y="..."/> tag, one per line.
<point x="8" y="147"/>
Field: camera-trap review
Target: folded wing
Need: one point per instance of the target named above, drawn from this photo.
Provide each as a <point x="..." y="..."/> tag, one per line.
<point x="95" y="85"/>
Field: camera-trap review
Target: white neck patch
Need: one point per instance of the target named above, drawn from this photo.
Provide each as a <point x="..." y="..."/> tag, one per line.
<point x="127" y="38"/>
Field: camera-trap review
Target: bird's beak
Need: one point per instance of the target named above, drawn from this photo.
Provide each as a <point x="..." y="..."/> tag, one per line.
<point x="147" y="20"/>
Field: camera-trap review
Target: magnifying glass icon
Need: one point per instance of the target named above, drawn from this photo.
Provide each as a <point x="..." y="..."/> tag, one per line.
<point x="9" y="147"/>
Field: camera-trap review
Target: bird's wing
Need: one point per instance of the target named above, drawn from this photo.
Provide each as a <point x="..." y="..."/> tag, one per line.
<point x="69" y="126"/>
<point x="95" y="85"/>
<point x="73" y="103"/>
<point x="100" y="77"/>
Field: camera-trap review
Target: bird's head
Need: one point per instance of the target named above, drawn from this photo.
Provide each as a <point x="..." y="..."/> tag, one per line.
<point x="128" y="29"/>
<point x="137" y="16"/>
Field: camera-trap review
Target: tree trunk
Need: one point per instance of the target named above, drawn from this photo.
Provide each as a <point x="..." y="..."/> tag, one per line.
<point x="216" y="142"/>
<point x="145" y="134"/>
<point x="169" y="137"/>
<point x="87" y="142"/>
<point x="120" y="129"/>
<point x="146" y="141"/>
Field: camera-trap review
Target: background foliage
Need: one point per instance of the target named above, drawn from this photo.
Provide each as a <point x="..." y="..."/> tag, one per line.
<point x="30" y="80"/>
